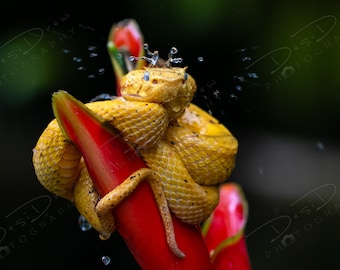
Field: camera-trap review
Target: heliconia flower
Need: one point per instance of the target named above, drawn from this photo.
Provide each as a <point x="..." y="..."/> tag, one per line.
<point x="125" y="41"/>
<point x="137" y="218"/>
<point x="223" y="231"/>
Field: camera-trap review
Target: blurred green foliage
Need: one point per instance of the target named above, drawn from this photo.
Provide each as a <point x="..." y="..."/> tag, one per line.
<point x="29" y="64"/>
<point x="291" y="47"/>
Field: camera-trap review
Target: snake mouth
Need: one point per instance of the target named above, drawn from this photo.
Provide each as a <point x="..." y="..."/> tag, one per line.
<point x="171" y="99"/>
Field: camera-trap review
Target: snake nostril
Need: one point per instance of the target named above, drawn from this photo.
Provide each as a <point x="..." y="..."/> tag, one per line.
<point x="154" y="81"/>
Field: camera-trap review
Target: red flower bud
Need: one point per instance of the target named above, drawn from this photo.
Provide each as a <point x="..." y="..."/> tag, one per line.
<point x="224" y="230"/>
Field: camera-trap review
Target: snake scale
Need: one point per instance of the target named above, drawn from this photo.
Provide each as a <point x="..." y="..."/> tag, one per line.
<point x="189" y="151"/>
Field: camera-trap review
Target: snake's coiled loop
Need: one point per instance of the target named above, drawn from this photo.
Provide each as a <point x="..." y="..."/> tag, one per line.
<point x="186" y="148"/>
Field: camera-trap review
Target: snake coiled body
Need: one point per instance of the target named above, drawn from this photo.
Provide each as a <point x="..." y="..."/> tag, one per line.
<point x="188" y="149"/>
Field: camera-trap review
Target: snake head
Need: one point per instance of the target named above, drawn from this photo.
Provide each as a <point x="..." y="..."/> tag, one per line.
<point x="173" y="87"/>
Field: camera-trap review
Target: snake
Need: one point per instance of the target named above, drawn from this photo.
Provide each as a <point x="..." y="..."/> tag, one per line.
<point x="187" y="149"/>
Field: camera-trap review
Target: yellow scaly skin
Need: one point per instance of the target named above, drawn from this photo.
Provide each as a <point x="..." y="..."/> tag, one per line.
<point x="187" y="149"/>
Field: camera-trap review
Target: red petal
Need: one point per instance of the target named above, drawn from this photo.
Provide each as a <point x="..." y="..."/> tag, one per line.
<point x="234" y="257"/>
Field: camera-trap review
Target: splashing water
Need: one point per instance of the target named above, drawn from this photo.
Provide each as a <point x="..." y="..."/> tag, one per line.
<point x="216" y="93"/>
<point x="253" y="75"/>
<point x="84" y="224"/>
<point x="200" y="59"/>
<point x="86" y="63"/>
<point x="106" y="260"/>
<point x="154" y="57"/>
<point x="246" y="58"/>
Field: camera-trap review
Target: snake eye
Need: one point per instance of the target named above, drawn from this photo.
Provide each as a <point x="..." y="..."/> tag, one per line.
<point x="185" y="76"/>
<point x="146" y="76"/>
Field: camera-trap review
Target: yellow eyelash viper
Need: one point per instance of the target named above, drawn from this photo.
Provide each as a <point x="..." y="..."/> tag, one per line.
<point x="187" y="148"/>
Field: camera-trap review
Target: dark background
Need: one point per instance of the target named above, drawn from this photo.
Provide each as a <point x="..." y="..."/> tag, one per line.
<point x="270" y="73"/>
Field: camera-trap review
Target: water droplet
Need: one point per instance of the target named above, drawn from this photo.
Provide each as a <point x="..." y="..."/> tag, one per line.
<point x="106" y="260"/>
<point x="67" y="51"/>
<point x="101" y="71"/>
<point x="260" y="170"/>
<point x="93" y="54"/>
<point x="176" y="60"/>
<point x="200" y="59"/>
<point x="84" y="224"/>
<point x="92" y="48"/>
<point x="242" y="49"/>
<point x="77" y="59"/>
<point x="91" y="76"/>
<point x="173" y="50"/>
<point x="216" y="94"/>
<point x="239" y="78"/>
<point x="81" y="68"/>
<point x="238" y="87"/>
<point x="246" y="58"/>
<point x="253" y="75"/>
<point x="320" y="146"/>
<point x="233" y="96"/>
